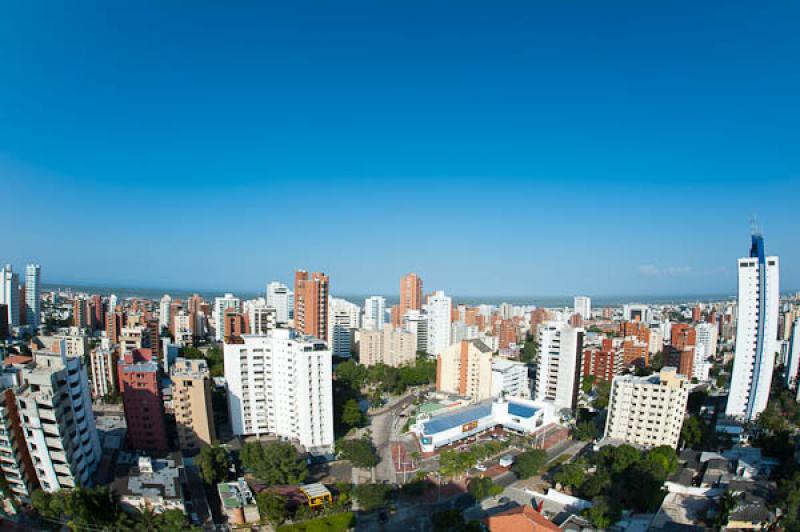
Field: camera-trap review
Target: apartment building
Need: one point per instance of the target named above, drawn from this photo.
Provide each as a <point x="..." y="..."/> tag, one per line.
<point x="280" y="385"/>
<point x="344" y="318"/>
<point x="103" y="363"/>
<point x="191" y="399"/>
<point x="139" y="382"/>
<point x="510" y="379"/>
<point x="15" y="460"/>
<point x="311" y="292"/>
<point x="391" y="346"/>
<point x="647" y="411"/>
<point x="465" y="369"/>
<point x="558" y="373"/>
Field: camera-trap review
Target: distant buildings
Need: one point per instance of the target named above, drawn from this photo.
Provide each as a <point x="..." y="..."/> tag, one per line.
<point x="191" y="397"/>
<point x="280" y="384"/>
<point x="756" y="332"/>
<point x="140" y="386"/>
<point x="311" y="292"/>
<point x="647" y="411"/>
<point x="465" y="369"/>
<point x="344" y="319"/>
<point x="221" y="305"/>
<point x="558" y="372"/>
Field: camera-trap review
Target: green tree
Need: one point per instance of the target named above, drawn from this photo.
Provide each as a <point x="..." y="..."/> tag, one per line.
<point x="371" y="496"/>
<point x="530" y="351"/>
<point x="481" y="488"/>
<point x="453" y="521"/>
<point x="529" y="463"/>
<point x="453" y="463"/>
<point x="572" y="475"/>
<point x="788" y="501"/>
<point x="603" y="513"/>
<point x="359" y="451"/>
<point x="665" y="457"/>
<point x="586" y="431"/>
<point x="214" y="464"/>
<point x="271" y="507"/>
<point x="691" y="432"/>
<point x="603" y="390"/>
<point x="351" y="414"/>
<point x="275" y="463"/>
<point x="588" y="383"/>
<point x="171" y="521"/>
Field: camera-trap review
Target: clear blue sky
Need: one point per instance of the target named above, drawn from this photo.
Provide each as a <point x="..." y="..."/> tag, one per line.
<point x="527" y="148"/>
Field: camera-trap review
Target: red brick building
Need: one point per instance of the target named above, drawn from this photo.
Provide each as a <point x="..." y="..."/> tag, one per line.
<point x="311" y="303"/>
<point x="141" y="398"/>
<point x="603" y="363"/>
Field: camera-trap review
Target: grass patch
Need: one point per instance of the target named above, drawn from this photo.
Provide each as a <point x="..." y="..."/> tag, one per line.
<point x="332" y="523"/>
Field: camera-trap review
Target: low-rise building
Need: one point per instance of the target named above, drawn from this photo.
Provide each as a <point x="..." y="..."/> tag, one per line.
<point x="238" y="502"/>
<point x="155" y="483"/>
<point x="510" y="379"/>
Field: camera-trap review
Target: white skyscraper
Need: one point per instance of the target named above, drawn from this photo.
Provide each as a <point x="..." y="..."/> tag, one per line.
<point x="374" y="313"/>
<point x="165" y="312"/>
<point x="280" y="384"/>
<point x="416" y="323"/>
<point x="439" y="310"/>
<point x="278" y="297"/>
<point x="793" y="359"/>
<point x="221" y="304"/>
<point x="9" y="293"/>
<point x="343" y="320"/>
<point x="559" y="370"/>
<point x="33" y="301"/>
<point x="706" y="347"/>
<point x="583" y="306"/>
<point x="756" y="332"/>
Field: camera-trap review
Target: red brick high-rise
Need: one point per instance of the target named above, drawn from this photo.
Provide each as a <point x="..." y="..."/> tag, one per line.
<point x="311" y="303"/>
<point x="506" y="333"/>
<point x="410" y="293"/>
<point x="604" y="363"/>
<point x="683" y="336"/>
<point x="141" y="397"/>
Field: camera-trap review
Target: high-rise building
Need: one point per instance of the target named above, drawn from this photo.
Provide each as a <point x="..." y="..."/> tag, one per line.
<point x="103" y="361"/>
<point x="311" y="303"/>
<point x="280" y="384"/>
<point x="705" y="348"/>
<point x="165" y="312"/>
<point x="558" y="373"/>
<point x="410" y="294"/>
<point x="583" y="306"/>
<point x="262" y="319"/>
<point x="439" y="311"/>
<point x="391" y="346"/>
<point x="793" y="361"/>
<point x="9" y="294"/>
<point x="465" y="369"/>
<point x="139" y="381"/>
<point x="33" y="301"/>
<point x="55" y="406"/>
<point x="416" y="323"/>
<point x="374" y="313"/>
<point x="278" y="296"/>
<point x="191" y="398"/>
<point x="756" y="332"/>
<point x="647" y="411"/>
<point x="221" y="304"/>
<point x="343" y="320"/>
<point x="16" y="464"/>
<point x="603" y="363"/>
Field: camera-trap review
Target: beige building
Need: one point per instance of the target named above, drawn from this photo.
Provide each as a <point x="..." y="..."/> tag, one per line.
<point x="191" y="399"/>
<point x="75" y="344"/>
<point x="647" y="411"/>
<point x="391" y="346"/>
<point x="465" y="369"/>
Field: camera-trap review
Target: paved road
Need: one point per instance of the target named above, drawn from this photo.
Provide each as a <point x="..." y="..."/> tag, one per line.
<point x="385" y="428"/>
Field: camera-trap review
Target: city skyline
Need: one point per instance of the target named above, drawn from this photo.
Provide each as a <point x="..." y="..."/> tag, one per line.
<point x="516" y="150"/>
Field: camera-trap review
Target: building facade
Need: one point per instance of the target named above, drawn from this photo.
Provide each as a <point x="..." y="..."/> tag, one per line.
<point x="33" y="297"/>
<point x="439" y="310"/>
<point x="311" y="292"/>
<point x="374" y="313"/>
<point x="278" y="297"/>
<point x="191" y="398"/>
<point x="344" y="319"/>
<point x="465" y="369"/>
<point x="558" y="373"/>
<point x="139" y="382"/>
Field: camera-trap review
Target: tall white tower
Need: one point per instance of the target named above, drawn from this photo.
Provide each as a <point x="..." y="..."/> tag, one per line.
<point x="439" y="310"/>
<point x="278" y="298"/>
<point x="33" y="313"/>
<point x="9" y="293"/>
<point x="374" y="313"/>
<point x="583" y="306"/>
<point x="756" y="332"/>
<point x="165" y="311"/>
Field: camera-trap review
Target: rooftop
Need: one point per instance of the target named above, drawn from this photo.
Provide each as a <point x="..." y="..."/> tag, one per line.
<point x="459" y="417"/>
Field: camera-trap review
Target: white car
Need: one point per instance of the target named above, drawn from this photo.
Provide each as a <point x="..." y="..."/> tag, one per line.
<point x="480" y="467"/>
<point x="506" y="461"/>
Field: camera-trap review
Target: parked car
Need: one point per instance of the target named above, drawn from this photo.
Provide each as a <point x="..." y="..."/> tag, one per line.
<point x="480" y="467"/>
<point x="506" y="461"/>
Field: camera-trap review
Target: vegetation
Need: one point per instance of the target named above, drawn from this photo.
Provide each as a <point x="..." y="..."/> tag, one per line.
<point x="214" y="357"/>
<point x="603" y="512"/>
<point x="603" y="390"/>
<point x="529" y="463"/>
<point x="571" y="475"/>
<point x="657" y="361"/>
<point x="530" y="351"/>
<point x="453" y="463"/>
<point x="359" y="451"/>
<point x="82" y="508"/>
<point x="371" y="496"/>
<point x="352" y="415"/>
<point x="275" y="463"/>
<point x="214" y="464"/>
<point x="481" y="488"/>
<point x="272" y="507"/>
<point x="588" y="383"/>
<point x="341" y="522"/>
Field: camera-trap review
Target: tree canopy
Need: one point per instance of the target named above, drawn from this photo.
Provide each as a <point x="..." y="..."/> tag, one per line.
<point x="214" y="464"/>
<point x="481" y="488"/>
<point x="529" y="463"/>
<point x="275" y="463"/>
<point x="359" y="451"/>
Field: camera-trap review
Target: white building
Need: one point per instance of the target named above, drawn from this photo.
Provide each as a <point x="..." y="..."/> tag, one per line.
<point x="343" y="320"/>
<point x="637" y="312"/>
<point x="262" y="318"/>
<point x="56" y="408"/>
<point x="510" y="379"/>
<point x="793" y="357"/>
<point x="756" y="332"/>
<point x="278" y="297"/>
<point x="182" y="328"/>
<point x="647" y="411"/>
<point x="374" y="313"/>
<point x="165" y="312"/>
<point x="103" y="364"/>
<point x="705" y="348"/>
<point x="280" y="385"/>
<point x="221" y="304"/>
<point x="9" y="293"/>
<point x="558" y="372"/>
<point x="439" y="311"/>
<point x="416" y="323"/>
<point x="33" y="301"/>
<point x="583" y="306"/>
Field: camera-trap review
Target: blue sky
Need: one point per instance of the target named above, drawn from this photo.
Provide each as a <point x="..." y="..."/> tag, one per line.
<point x="522" y="148"/>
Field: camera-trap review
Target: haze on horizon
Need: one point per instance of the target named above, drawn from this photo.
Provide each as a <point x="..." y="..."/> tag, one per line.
<point x="504" y="150"/>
